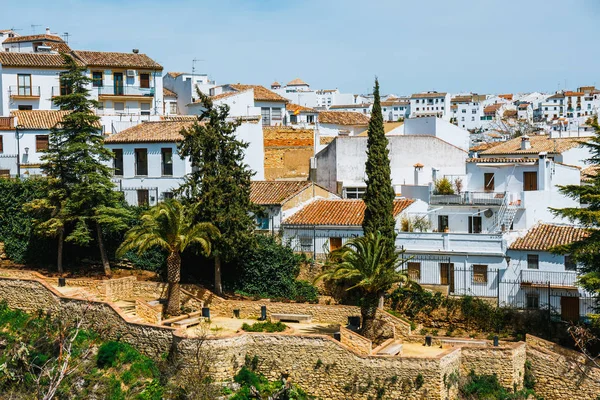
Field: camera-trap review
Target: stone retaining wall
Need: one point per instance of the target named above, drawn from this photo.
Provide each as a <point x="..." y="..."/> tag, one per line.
<point x="119" y="289"/>
<point x="507" y="362"/>
<point x="356" y="342"/>
<point x="149" y="313"/>
<point x="560" y="373"/>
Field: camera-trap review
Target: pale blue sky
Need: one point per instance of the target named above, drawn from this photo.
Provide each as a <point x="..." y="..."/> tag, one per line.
<point x="485" y="46"/>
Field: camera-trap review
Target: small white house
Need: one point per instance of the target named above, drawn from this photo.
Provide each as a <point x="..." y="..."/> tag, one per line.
<point x="185" y="85"/>
<point x="324" y="225"/>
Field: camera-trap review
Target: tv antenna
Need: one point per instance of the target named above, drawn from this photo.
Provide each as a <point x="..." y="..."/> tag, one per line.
<point x="194" y="61"/>
<point x="33" y="26"/>
<point x="66" y="37"/>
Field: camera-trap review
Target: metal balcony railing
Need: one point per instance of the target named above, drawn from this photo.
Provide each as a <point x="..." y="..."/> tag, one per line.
<point x="551" y="278"/>
<point x="469" y="198"/>
<point x="24" y="91"/>
<point x="115" y="90"/>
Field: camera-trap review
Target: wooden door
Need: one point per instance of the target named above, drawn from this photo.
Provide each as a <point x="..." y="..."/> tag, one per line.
<point x="335" y="243"/>
<point x="447" y="275"/>
<point x="143" y="197"/>
<point x="118" y="83"/>
<point x="488" y="182"/>
<point x="529" y="181"/>
<point x="569" y="308"/>
<point x="145" y="81"/>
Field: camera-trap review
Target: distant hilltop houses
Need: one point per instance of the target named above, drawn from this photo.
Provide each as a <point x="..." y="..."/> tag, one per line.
<point x="501" y="156"/>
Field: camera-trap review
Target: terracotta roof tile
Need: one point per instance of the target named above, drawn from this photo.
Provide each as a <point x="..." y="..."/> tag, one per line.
<point x="491" y="109"/>
<point x="338" y="212"/>
<point x="31" y="38"/>
<point x="343" y="118"/>
<point x="152" y="132"/>
<point x="523" y="106"/>
<point x="510" y="113"/>
<point x="539" y="143"/>
<point x="344" y="106"/>
<point x="587" y="174"/>
<point x="175" y="74"/>
<point x="296" y="108"/>
<point x="223" y="95"/>
<point x="113" y="59"/>
<point x="261" y="93"/>
<point x="297" y="82"/>
<point x="501" y="160"/>
<point x="574" y="94"/>
<point x="275" y="192"/>
<point x="543" y="237"/>
<point x="507" y="96"/>
<point x="462" y="99"/>
<point x="396" y="102"/>
<point x="557" y="96"/>
<point x="40" y="119"/>
<point x="428" y="95"/>
<point x="10" y="59"/>
<point x="483" y="146"/>
<point x="168" y="93"/>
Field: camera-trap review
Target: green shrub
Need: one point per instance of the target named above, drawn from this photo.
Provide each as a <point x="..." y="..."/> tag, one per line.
<point x="269" y="270"/>
<point x="443" y="186"/>
<point x="266" y="326"/>
<point x="419" y="381"/>
<point x="112" y="353"/>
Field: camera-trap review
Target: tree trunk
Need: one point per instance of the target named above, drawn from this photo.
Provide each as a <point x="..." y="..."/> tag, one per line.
<point x="103" y="255"/>
<point x="59" y="258"/>
<point x="173" y="278"/>
<point x="368" y="311"/>
<point x="218" y="285"/>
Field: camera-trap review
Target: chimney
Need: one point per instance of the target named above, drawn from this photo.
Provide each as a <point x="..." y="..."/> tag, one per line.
<point x="543" y="170"/>
<point x="47" y="31"/>
<point x="525" y="143"/>
<point x="136" y="51"/>
<point x="418" y="168"/>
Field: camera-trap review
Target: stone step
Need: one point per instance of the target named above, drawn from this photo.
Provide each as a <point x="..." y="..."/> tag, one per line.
<point x="186" y="323"/>
<point x="392" y="349"/>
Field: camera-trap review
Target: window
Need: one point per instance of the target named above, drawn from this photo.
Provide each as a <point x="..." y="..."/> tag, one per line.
<point x="143" y="197"/>
<point x="145" y="108"/>
<point x="488" y="182"/>
<point x="310" y="119"/>
<point x="529" y="181"/>
<point x="97" y="78"/>
<point x="414" y="270"/>
<point x="464" y="111"/>
<point x="355" y="192"/>
<point x="276" y="113"/>
<point x="25" y="108"/>
<point x="100" y="105"/>
<point x="167" y="161"/>
<point x="141" y="162"/>
<point x="570" y="264"/>
<point x="172" y="108"/>
<point x="119" y="106"/>
<point x="24" y="85"/>
<point x="293" y="119"/>
<point x="65" y="86"/>
<point x="533" y="261"/>
<point x="335" y="243"/>
<point x="472" y="118"/>
<point x="262" y="223"/>
<point x="265" y="113"/>
<point x="480" y="273"/>
<point x="145" y="81"/>
<point x="118" y="161"/>
<point x="533" y="300"/>
<point x="442" y="223"/>
<point x="41" y="142"/>
<point x="130" y="81"/>
<point x="1" y="144"/>
<point x="473" y="111"/>
<point x="306" y="243"/>
<point x="462" y="119"/>
<point x="168" y="195"/>
<point x="475" y="224"/>
<point x="5" y="173"/>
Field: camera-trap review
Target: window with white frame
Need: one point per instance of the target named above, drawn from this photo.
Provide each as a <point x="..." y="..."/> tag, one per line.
<point x="145" y="108"/>
<point x="306" y="243"/>
<point x="354" y="192"/>
<point x="276" y="113"/>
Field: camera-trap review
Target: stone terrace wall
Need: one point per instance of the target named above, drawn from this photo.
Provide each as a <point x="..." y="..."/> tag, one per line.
<point x="356" y="342"/>
<point x="560" y="373"/>
<point x="149" y="313"/>
<point x="507" y="362"/>
<point x="119" y="289"/>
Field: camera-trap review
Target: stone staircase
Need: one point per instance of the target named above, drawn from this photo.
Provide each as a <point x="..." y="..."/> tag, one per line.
<point x="127" y="307"/>
<point x="391" y="347"/>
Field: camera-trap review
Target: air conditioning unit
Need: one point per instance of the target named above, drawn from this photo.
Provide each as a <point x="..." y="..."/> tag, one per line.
<point x="131" y="72"/>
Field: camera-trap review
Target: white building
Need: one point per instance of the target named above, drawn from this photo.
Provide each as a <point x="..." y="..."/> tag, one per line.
<point x="395" y="109"/>
<point x="432" y="126"/>
<point x="331" y="97"/>
<point x="414" y="160"/>
<point x="128" y="86"/>
<point x="147" y="167"/>
<point x="169" y="102"/>
<point x="363" y="108"/>
<point x="467" y="111"/>
<point x="430" y="104"/>
<point x="185" y="86"/>
<point x="332" y="124"/>
<point x="249" y="100"/>
<point x="300" y="115"/>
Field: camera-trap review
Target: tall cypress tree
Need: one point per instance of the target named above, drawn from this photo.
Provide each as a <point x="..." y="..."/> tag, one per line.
<point x="379" y="196"/>
<point x="219" y="184"/>
<point x="587" y="251"/>
<point x="80" y="199"/>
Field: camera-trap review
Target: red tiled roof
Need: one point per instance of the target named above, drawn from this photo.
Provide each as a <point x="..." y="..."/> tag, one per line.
<point x="152" y="132"/>
<point x="338" y="212"/>
<point x="114" y="59"/>
<point x="168" y="93"/>
<point x="296" y="108"/>
<point x="428" y="95"/>
<point x="40" y="119"/>
<point x="539" y="143"/>
<point x="31" y="38"/>
<point x="543" y="237"/>
<point x="39" y="60"/>
<point x="261" y="93"/>
<point x="297" y="82"/>
<point x="275" y="192"/>
<point x="343" y="118"/>
<point x="492" y="108"/>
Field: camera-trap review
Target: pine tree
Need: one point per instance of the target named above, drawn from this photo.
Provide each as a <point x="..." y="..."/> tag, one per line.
<point x="379" y="196"/>
<point x="219" y="185"/>
<point x="586" y="252"/>
<point x="81" y="198"/>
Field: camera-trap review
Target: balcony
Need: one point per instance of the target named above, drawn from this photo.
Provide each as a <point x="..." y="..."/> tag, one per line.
<point x="24" y="92"/>
<point x="553" y="279"/>
<point x="469" y="198"/>
<point x="135" y="91"/>
<point x="445" y="243"/>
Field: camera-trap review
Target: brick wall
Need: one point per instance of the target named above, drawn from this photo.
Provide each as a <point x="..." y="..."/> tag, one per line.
<point x="287" y="152"/>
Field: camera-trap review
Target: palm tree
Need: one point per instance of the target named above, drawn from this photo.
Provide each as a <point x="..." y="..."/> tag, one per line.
<point x="171" y="227"/>
<point x="364" y="262"/>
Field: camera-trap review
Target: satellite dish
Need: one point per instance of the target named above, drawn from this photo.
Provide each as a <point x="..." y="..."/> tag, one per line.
<point x="488" y="213"/>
